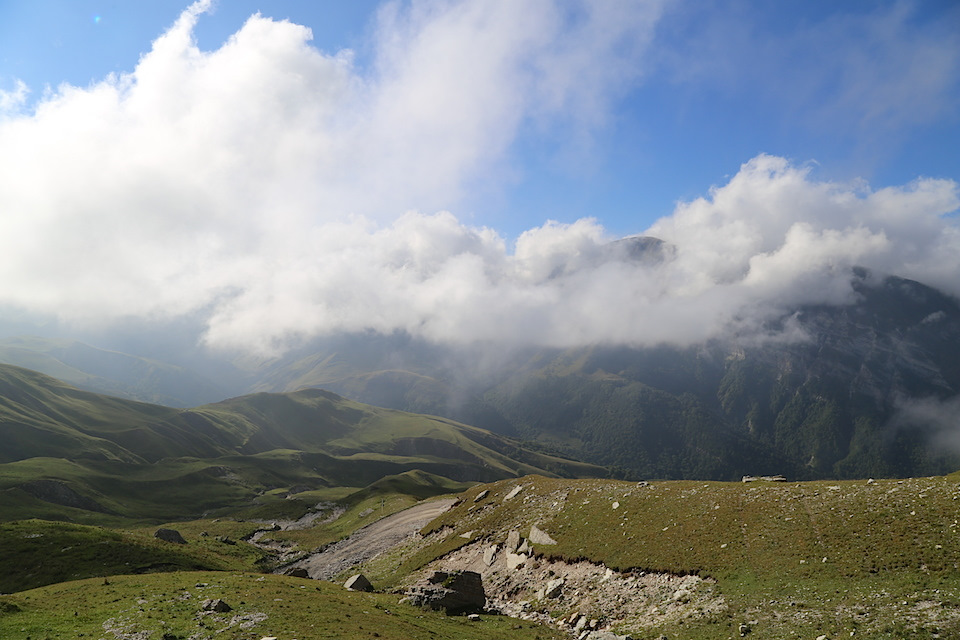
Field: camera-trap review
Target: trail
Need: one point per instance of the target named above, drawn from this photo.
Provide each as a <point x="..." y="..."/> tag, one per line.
<point x="363" y="544"/>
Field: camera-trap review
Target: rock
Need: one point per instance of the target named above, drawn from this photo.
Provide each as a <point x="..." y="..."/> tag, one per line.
<point x="537" y="536"/>
<point x="524" y="547"/>
<point x="480" y="496"/>
<point x="456" y="592"/>
<point x="297" y="572"/>
<point x="216" y="605"/>
<point x="823" y="637"/>
<point x="225" y="540"/>
<point x="169" y="535"/>
<point x="474" y="617"/>
<point x="490" y="554"/>
<point x="515" y="560"/>
<point x="358" y="582"/>
<point x="513" y="541"/>
<point x="552" y="589"/>
<point x="744" y="629"/>
<point x="513" y="492"/>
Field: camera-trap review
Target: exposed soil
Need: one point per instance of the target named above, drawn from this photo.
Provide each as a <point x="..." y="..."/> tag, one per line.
<point x="371" y="540"/>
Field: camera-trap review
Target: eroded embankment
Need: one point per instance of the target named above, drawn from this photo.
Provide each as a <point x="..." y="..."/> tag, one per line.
<point x="579" y="596"/>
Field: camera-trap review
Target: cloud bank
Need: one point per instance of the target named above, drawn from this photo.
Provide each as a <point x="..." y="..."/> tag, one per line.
<point x="282" y="193"/>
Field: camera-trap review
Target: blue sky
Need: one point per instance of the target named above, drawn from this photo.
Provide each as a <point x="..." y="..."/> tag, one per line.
<point x="544" y="128"/>
<point x="704" y="105"/>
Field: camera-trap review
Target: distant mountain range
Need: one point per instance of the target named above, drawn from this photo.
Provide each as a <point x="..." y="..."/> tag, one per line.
<point x="833" y="404"/>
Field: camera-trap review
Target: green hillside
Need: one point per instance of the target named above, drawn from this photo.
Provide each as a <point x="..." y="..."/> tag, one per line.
<point x="865" y="559"/>
<point x="75" y="455"/>
<point x="172" y="606"/>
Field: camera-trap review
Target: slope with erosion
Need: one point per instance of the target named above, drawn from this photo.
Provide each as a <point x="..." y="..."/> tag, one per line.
<point x="870" y="559"/>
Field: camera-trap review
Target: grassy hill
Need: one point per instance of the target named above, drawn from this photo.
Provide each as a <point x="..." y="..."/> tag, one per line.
<point x="868" y="559"/>
<point x="75" y="455"/>
<point x="171" y="606"/>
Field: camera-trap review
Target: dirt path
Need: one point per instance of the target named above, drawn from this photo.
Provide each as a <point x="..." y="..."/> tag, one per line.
<point x="372" y="539"/>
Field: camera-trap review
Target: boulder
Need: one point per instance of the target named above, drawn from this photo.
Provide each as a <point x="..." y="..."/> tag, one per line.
<point x="538" y="536"/>
<point x="513" y="541"/>
<point x="553" y="589"/>
<point x="513" y="492"/>
<point x="490" y="554"/>
<point x="483" y="494"/>
<point x="358" y="582"/>
<point x="297" y="572"/>
<point x="217" y="605"/>
<point x="456" y="592"/>
<point x="515" y="560"/>
<point x="169" y="535"/>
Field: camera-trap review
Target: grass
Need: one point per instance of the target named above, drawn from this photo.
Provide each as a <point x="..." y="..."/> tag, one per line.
<point x="170" y="606"/>
<point x="37" y="553"/>
<point x="831" y="556"/>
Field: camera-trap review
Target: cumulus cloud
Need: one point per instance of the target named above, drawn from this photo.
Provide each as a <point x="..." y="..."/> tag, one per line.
<point x="279" y="193"/>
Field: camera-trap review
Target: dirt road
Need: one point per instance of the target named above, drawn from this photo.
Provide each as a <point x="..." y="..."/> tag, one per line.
<point x="372" y="539"/>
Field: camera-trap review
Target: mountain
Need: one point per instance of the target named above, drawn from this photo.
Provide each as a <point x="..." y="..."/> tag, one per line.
<point x="70" y="453"/>
<point x="858" y="390"/>
<point x="833" y="403"/>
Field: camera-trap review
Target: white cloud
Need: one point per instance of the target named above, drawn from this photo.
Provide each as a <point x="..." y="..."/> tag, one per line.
<point x="263" y="184"/>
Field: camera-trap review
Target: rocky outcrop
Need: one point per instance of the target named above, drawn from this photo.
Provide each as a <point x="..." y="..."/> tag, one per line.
<point x="538" y="536"/>
<point x="456" y="592"/>
<point x="169" y="535"/>
<point x="216" y="605"/>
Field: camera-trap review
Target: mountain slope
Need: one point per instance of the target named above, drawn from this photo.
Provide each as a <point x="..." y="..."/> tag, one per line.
<point x="75" y="454"/>
<point x="830" y="402"/>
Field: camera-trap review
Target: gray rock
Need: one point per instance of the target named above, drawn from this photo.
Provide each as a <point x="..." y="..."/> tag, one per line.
<point x="515" y="560"/>
<point x="490" y="554"/>
<point x="456" y="592"/>
<point x="513" y="541"/>
<point x="537" y="536"/>
<point x="480" y="496"/>
<point x="297" y="572"/>
<point x="358" y="582"/>
<point x="513" y="492"/>
<point x="553" y="589"/>
<point x="217" y="605"/>
<point x="169" y="535"/>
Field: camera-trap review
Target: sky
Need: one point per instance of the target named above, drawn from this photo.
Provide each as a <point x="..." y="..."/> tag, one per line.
<point x="462" y="170"/>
